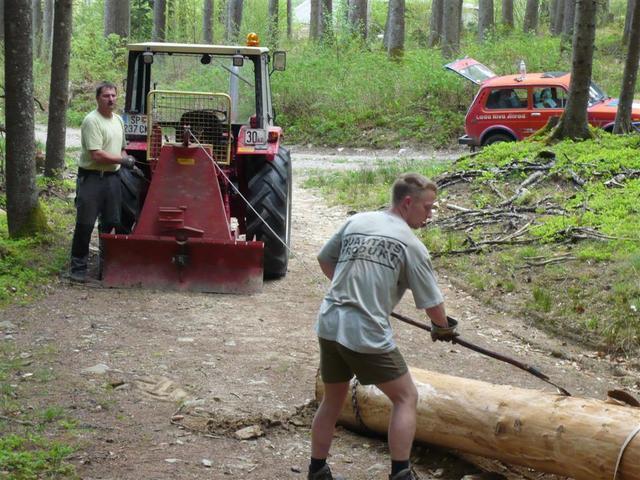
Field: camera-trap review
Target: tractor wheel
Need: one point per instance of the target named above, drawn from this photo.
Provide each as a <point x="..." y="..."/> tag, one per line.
<point x="270" y="195"/>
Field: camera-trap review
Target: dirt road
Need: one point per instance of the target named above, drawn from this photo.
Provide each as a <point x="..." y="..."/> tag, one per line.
<point x="122" y="361"/>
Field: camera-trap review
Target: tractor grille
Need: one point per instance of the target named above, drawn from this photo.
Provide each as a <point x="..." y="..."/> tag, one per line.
<point x="172" y="115"/>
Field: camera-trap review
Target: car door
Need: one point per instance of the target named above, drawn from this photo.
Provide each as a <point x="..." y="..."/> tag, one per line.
<point x="504" y="109"/>
<point x="547" y="101"/>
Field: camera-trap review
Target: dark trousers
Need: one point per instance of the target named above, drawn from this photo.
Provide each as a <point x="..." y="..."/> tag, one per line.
<point x="98" y="196"/>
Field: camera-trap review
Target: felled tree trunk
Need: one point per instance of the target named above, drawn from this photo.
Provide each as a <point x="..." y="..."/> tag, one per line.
<point x="575" y="437"/>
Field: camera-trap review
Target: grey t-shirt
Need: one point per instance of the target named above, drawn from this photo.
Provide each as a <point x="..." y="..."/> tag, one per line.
<point x="377" y="258"/>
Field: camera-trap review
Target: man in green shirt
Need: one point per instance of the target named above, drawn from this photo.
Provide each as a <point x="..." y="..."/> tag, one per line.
<point x="98" y="192"/>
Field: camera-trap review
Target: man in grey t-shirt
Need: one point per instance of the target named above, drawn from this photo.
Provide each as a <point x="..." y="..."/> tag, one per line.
<point x="371" y="261"/>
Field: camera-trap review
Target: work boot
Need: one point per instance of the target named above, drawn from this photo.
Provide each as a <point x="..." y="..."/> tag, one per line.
<point x="324" y="474"/>
<point x="406" y="474"/>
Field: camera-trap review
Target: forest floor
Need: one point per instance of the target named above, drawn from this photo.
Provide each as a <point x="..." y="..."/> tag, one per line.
<point x="157" y="384"/>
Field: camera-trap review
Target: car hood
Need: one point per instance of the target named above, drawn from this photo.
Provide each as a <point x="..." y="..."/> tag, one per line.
<point x="610" y="105"/>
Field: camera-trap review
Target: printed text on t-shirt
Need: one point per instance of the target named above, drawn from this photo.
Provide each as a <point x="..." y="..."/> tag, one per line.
<point x="384" y="251"/>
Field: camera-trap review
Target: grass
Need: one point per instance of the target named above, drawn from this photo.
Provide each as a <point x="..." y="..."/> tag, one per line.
<point x="34" y="442"/>
<point x="590" y="290"/>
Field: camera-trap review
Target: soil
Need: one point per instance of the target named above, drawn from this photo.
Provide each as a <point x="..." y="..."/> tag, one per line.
<point x="185" y="371"/>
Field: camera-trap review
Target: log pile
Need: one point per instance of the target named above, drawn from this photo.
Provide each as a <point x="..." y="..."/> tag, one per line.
<point x="575" y="437"/>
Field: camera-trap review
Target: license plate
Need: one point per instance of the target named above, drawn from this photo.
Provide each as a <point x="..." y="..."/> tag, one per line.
<point x="255" y="136"/>
<point x="135" y="124"/>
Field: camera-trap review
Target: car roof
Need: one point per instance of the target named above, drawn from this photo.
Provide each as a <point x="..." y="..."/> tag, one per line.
<point x="514" y="80"/>
<point x="164" y="47"/>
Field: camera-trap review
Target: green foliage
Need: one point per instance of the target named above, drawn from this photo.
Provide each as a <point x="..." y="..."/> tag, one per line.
<point x="32" y="457"/>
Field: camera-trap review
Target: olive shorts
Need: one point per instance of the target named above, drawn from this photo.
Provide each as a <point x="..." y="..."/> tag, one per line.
<point x="338" y="364"/>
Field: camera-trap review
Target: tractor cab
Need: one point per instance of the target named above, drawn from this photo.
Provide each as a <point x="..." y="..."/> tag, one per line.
<point x="216" y="215"/>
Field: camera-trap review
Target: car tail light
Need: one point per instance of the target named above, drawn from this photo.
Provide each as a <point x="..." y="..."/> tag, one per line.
<point x="273" y="136"/>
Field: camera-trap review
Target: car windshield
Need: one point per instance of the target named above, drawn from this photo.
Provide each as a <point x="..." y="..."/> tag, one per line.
<point x="596" y="94"/>
<point x="208" y="73"/>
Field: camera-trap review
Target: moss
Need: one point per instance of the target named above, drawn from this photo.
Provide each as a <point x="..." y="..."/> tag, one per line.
<point x="35" y="224"/>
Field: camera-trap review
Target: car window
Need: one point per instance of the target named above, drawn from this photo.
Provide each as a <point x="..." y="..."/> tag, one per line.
<point x="507" y="98"/>
<point x="549" y="97"/>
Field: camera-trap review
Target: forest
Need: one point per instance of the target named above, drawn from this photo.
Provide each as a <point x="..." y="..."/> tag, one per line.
<point x="545" y="229"/>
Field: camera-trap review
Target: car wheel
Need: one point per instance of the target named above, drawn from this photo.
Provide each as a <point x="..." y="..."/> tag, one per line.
<point x="497" y="138"/>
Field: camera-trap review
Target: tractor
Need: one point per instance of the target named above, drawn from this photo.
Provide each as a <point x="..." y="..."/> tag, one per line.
<point x="214" y="210"/>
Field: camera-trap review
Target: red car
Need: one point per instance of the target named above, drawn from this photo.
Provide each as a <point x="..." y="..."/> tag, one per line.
<point x="512" y="107"/>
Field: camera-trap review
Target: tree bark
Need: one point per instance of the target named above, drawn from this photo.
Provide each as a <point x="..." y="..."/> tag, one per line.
<point x="207" y="22"/>
<point x="159" y="21"/>
<point x="233" y="20"/>
<point x="24" y="216"/>
<point x="395" y="45"/>
<point x="558" y="17"/>
<point x="507" y="13"/>
<point x="573" y="123"/>
<point x="37" y="27"/>
<point x="451" y="19"/>
<point x="47" y="29"/>
<point x="117" y="18"/>
<point x="627" y="21"/>
<point x="2" y="20"/>
<point x="289" y="20"/>
<point x="569" y="436"/>
<point x="485" y="18"/>
<point x="435" y="24"/>
<point x="357" y="18"/>
<point x="274" y="31"/>
<point x="315" y="21"/>
<point x="530" y="24"/>
<point x="623" y="114"/>
<point x="59" y="90"/>
<point x="568" y="19"/>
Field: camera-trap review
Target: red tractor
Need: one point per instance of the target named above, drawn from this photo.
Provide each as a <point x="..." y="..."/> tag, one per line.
<point x="215" y="211"/>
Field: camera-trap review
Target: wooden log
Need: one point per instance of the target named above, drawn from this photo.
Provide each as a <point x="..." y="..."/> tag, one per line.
<point x="575" y="437"/>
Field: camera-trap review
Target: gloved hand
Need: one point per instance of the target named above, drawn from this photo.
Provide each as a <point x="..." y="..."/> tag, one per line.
<point x="129" y="161"/>
<point x="444" y="334"/>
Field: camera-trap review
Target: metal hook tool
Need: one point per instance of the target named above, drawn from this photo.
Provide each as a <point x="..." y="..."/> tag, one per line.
<point x="498" y="356"/>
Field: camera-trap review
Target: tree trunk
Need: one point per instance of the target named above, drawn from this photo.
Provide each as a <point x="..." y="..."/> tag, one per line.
<point x="569" y="436"/>
<point x="627" y="21"/>
<point x="357" y="18"/>
<point x="289" y="19"/>
<point x="451" y="18"/>
<point x="233" y="21"/>
<point x="47" y="30"/>
<point x="2" y="20"/>
<point x="435" y="24"/>
<point x="159" y="20"/>
<point x="569" y="19"/>
<point x="116" y="18"/>
<point x="207" y="22"/>
<point x="395" y="45"/>
<point x="326" y="20"/>
<point x="24" y="216"/>
<point x="485" y="18"/>
<point x="507" y="13"/>
<point x="573" y="123"/>
<point x="274" y="31"/>
<point x="37" y="27"/>
<point x="531" y="16"/>
<point x="315" y="20"/>
<point x="59" y="90"/>
<point x="623" y="114"/>
<point x="558" y="17"/>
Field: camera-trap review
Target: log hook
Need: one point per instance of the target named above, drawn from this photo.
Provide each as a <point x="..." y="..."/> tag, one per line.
<point x="498" y="356"/>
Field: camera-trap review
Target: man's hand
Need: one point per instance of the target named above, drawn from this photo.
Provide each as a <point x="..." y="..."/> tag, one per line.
<point x="129" y="161"/>
<point x="444" y="334"/>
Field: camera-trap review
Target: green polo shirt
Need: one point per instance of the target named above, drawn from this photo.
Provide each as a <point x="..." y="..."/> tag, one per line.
<point x="101" y="133"/>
